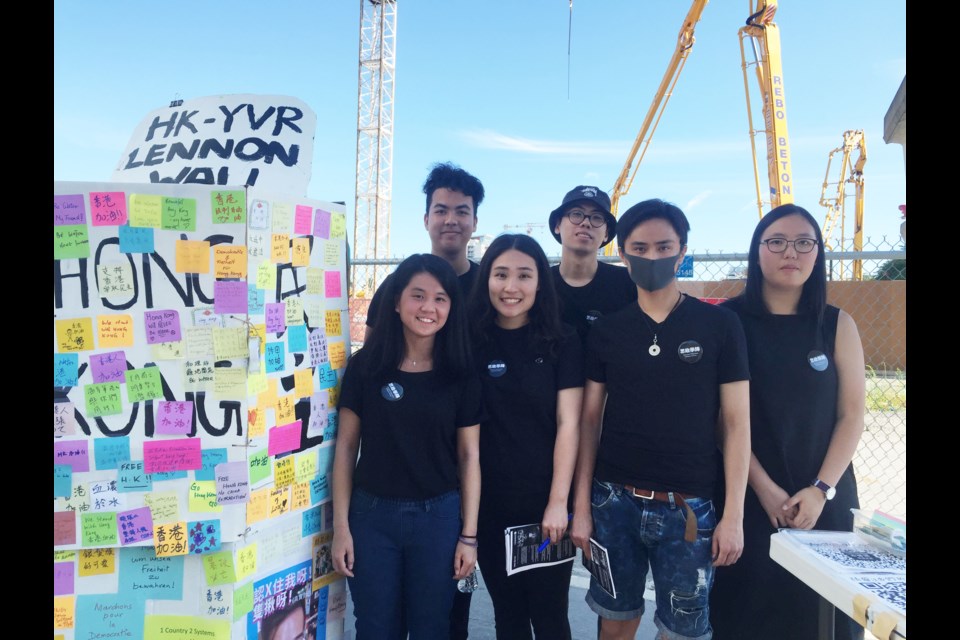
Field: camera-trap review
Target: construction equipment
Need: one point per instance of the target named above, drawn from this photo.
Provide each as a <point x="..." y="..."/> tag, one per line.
<point x="685" y="41"/>
<point x="853" y="140"/>
<point x="764" y="38"/>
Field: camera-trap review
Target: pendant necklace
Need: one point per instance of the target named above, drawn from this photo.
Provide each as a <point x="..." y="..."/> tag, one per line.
<point x="654" y="349"/>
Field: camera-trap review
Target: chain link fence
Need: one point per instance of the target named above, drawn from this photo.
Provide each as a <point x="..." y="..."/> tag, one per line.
<point x="877" y="304"/>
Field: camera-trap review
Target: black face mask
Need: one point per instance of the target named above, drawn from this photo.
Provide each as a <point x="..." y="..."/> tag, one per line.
<point x="652" y="275"/>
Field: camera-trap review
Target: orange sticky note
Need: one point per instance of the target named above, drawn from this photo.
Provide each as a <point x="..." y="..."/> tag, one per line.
<point x="279" y="501"/>
<point x="301" y="252"/>
<point x="170" y="539"/>
<point x="257" y="506"/>
<point x="280" y="248"/>
<point x="338" y="354"/>
<point x="192" y="256"/>
<point x="256" y="422"/>
<point x="229" y="261"/>
<point x="303" y="383"/>
<point x="115" y="331"/>
<point x="268" y="398"/>
<point x="285" y="409"/>
<point x="63" y="609"/>
<point x="74" y="334"/>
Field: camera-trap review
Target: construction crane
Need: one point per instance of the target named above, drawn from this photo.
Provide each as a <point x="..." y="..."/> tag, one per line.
<point x="851" y="172"/>
<point x="763" y="36"/>
<point x="371" y="225"/>
<point x="685" y="41"/>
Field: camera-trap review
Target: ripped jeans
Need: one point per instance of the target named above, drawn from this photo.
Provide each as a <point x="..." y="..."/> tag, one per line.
<point x="637" y="531"/>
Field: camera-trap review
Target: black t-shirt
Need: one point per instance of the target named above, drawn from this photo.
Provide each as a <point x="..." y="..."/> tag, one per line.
<point x="408" y="428"/>
<point x="466" y="281"/>
<point x="518" y="430"/>
<point x="610" y="290"/>
<point x="659" y="423"/>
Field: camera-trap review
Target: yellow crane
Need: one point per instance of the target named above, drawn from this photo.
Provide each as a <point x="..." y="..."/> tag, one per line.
<point x="851" y="172"/>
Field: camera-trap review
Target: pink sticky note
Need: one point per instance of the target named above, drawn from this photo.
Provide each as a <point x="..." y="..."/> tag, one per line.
<point x="64" y="528"/>
<point x="108" y="208"/>
<point x="174" y="417"/>
<point x="284" y="439"/>
<point x="109" y="367"/>
<point x="276" y="316"/>
<point x="163" y="325"/>
<point x="230" y="296"/>
<point x="135" y="525"/>
<point x="69" y="210"/>
<point x="172" y="455"/>
<point x="62" y="578"/>
<point x="72" y="452"/>
<point x="302" y="220"/>
<point x="321" y="224"/>
<point x="331" y="283"/>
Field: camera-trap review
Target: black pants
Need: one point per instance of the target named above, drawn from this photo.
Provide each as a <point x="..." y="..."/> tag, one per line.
<point x="460" y="616"/>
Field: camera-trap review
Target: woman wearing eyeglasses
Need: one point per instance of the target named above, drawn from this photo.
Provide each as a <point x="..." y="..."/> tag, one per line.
<point x="807" y="395"/>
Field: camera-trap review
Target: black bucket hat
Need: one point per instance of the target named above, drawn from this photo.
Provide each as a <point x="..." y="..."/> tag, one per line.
<point x="595" y="195"/>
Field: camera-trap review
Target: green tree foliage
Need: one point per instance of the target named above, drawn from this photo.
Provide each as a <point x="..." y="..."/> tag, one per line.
<point x="892" y="270"/>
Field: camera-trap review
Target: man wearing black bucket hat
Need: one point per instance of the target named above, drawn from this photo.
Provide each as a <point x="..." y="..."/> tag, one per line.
<point x="588" y="288"/>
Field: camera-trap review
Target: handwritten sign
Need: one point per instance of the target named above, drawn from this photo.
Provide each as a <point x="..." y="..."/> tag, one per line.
<point x="332" y="284"/>
<point x="299" y="496"/>
<point x="283" y="471"/>
<point x="145" y="210"/>
<point x="280" y="248"/>
<point x="132" y="477"/>
<point x="73" y="453"/>
<point x="62" y="578"/>
<point x="321" y="224"/>
<point x="203" y="497"/>
<point x="108" y="208"/>
<point x="279" y="501"/>
<point x="103" y="399"/>
<point x="257" y="507"/>
<point x="294" y="311"/>
<point x="259" y="466"/>
<point x="255" y="298"/>
<point x="285" y="409"/>
<point x="109" y="616"/>
<point x="314" y="281"/>
<point x="179" y="214"/>
<point x="266" y="276"/>
<point x="162" y="325"/>
<point x="303" y="383"/>
<point x="94" y="562"/>
<point x="143" y="384"/>
<point x="64" y="419"/>
<point x="233" y="485"/>
<point x="311" y="522"/>
<point x="198" y="374"/>
<point x="165" y="507"/>
<point x="63" y="612"/>
<point x="115" y="279"/>
<point x="229" y="207"/>
<point x="297" y="338"/>
<point x="229" y="261"/>
<point x="230" y="296"/>
<point x="64" y="527"/>
<point x="65" y="369"/>
<point x="136" y="525"/>
<point x="246" y="560"/>
<point x="274" y="357"/>
<point x="192" y="256"/>
<point x="218" y="568"/>
<point x="171" y="455"/>
<point x="135" y="239"/>
<point x="301" y="252"/>
<point x="170" y="539"/>
<point x="174" y="417"/>
<point x="302" y="220"/>
<point x="229" y="383"/>
<point x="333" y="323"/>
<point x="115" y="330"/>
<point x="108" y="453"/>
<point x="275" y="316"/>
<point x="109" y="367"/>
<point x="229" y="343"/>
<point x="98" y="529"/>
<point x="282" y="217"/>
<point x="75" y="334"/>
<point x="284" y="438"/>
<point x="69" y="210"/>
<point x="62" y="480"/>
<point x="211" y="458"/>
<point x="71" y="241"/>
<point x="338" y="355"/>
<point x="204" y="537"/>
<point x="318" y="415"/>
<point x="338" y="226"/>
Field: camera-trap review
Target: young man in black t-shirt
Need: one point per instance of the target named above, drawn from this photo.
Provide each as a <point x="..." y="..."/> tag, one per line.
<point x="588" y="288"/>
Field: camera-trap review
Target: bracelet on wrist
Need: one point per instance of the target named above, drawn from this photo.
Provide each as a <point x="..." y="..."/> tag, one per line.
<point x="466" y="536"/>
<point x="467" y="541"/>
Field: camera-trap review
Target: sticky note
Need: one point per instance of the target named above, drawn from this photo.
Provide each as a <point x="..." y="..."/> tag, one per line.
<point x="229" y="207"/>
<point x="319" y="489"/>
<point x="338" y="355"/>
<point x="204" y="537"/>
<point x="232" y="482"/>
<point x="338" y="226"/>
<point x="280" y="248"/>
<point x="321" y="224"/>
<point x="230" y="296"/>
<point x="174" y="417"/>
<point x="135" y="525"/>
<point x="69" y="210"/>
<point x="243" y="601"/>
<point x="303" y="220"/>
<point x="314" y="281"/>
<point x="162" y="325"/>
<point x="210" y="459"/>
<point x="143" y="384"/>
<point x="311" y="521"/>
<point x="64" y="419"/>
<point x="164" y="507"/>
<point x="275" y="357"/>
<point x="297" y="338"/>
<point x="230" y="383"/>
<point x="171" y="455"/>
<point x="98" y="529"/>
<point x="275" y="316"/>
<point x="283" y="438"/>
<point x="259" y="466"/>
<point x="256" y="422"/>
<point x="105" y="497"/>
<point x="167" y="350"/>
<point x="299" y="495"/>
<point x="257" y="507"/>
<point x="332" y="324"/>
<point x="108" y="208"/>
<point x="218" y="568"/>
<point x="279" y="501"/>
<point x="318" y="414"/>
<point x="301" y="252"/>
<point x="108" y="367"/>
<point x="294" y="311"/>
<point x="65" y="369"/>
<point x="327" y="377"/>
<point x="170" y="627"/>
<point x="62" y="480"/>
<point x="283" y="471"/>
<point x="198" y="374"/>
<point x="285" y="409"/>
<point x="110" y="615"/>
<point x="62" y="578"/>
<point x="108" y="453"/>
<point x="281" y="217"/>
<point x="331" y="254"/>
<point x="198" y="341"/>
<point x="146" y="210"/>
<point x="179" y="214"/>
<point x="229" y="343"/>
<point x="115" y="330"/>
<point x="135" y="239"/>
<point x="75" y="334"/>
<point x="269" y="397"/>
<point x="64" y="527"/>
<point x="266" y="276"/>
<point x="71" y="241"/>
<point x="115" y="279"/>
<point x="73" y="453"/>
<point x="170" y="539"/>
<point x="102" y="399"/>
<point x="255" y="298"/>
<point x="317" y="347"/>
<point x="63" y="612"/>
<point x="147" y="576"/>
<point x="303" y="383"/>
<point x="229" y="261"/>
<point x="331" y="284"/>
<point x="132" y="477"/>
<point x="192" y="256"/>
<point x="203" y="497"/>
<point x="246" y="560"/>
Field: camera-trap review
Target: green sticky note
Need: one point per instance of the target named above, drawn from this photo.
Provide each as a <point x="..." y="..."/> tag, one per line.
<point x="98" y="529"/>
<point x="144" y="384"/>
<point x="102" y="398"/>
<point x="218" y="567"/>
<point x="145" y="210"/>
<point x="169" y="627"/>
<point x="179" y="214"/>
<point x="71" y="241"/>
<point x="229" y="207"/>
<point x="259" y="466"/>
<point x="242" y="601"/>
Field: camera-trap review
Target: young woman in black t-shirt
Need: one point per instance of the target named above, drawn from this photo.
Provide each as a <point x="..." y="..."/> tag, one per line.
<point x="531" y="369"/>
<point x="405" y="514"/>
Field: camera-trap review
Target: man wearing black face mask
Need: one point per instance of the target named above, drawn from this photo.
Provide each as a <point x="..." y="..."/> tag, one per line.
<point x="659" y="374"/>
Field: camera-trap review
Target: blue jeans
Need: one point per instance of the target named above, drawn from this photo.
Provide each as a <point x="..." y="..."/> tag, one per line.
<point x="403" y="563"/>
<point x="636" y="531"/>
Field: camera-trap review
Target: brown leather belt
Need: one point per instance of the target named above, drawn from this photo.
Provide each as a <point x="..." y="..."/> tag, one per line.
<point x="690" y="533"/>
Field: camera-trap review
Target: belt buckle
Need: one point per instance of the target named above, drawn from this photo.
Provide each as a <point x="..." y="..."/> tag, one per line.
<point x="644" y="497"/>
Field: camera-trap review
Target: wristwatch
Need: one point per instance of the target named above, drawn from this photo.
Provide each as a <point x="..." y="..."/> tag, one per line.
<point x="823" y="486"/>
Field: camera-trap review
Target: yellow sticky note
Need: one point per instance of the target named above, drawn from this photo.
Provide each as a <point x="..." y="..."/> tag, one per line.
<point x="64" y="556"/>
<point x="315" y="281"/>
<point x="256" y="422"/>
<point x="203" y="497"/>
<point x="229" y="261"/>
<point x="167" y="627"/>
<point x="281" y="220"/>
<point x="332" y="322"/>
<point x="266" y="276"/>
<point x="280" y="248"/>
<point x="279" y="501"/>
<point x="338" y="354"/>
<point x="115" y="330"/>
<point x="303" y="382"/>
<point x="294" y="311"/>
<point x="300" y="498"/>
<point x="146" y="210"/>
<point x="170" y="539"/>
<point x="75" y="334"/>
<point x="306" y="465"/>
<point x="230" y="384"/>
<point x="283" y="471"/>
<point x="338" y="226"/>
<point x="63" y="608"/>
<point x="256" y="383"/>
<point x="95" y="562"/>
<point x="167" y="350"/>
<point x="314" y="312"/>
<point x="331" y="254"/>
<point x="268" y="398"/>
<point x="230" y="343"/>
<point x="258" y="331"/>
<point x="246" y="560"/>
<point x="218" y="568"/>
<point x="257" y="506"/>
<point x="301" y="252"/>
<point x="285" y="409"/>
<point x="164" y="507"/>
<point x="192" y="256"/>
<point x="333" y="394"/>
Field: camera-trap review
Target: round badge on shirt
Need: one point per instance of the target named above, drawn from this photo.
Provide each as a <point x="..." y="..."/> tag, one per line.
<point x="818" y="360"/>
<point x="592" y="316"/>
<point x="496" y="368"/>
<point x="392" y="391"/>
<point x="690" y="351"/>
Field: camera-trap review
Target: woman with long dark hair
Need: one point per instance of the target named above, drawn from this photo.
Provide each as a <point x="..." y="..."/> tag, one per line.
<point x="403" y="531"/>
<point x="807" y="394"/>
<point x="531" y="369"/>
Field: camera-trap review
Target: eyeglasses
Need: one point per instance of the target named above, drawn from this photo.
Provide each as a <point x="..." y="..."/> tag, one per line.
<point x="597" y="220"/>
<point x="779" y="245"/>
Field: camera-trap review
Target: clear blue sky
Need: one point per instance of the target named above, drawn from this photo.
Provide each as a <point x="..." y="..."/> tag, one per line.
<point x="484" y="84"/>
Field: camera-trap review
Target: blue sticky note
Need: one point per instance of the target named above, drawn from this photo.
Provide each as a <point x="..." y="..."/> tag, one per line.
<point x="135" y="239"/>
<point x="319" y="489"/>
<point x="322" y="599"/>
<point x="311" y="521"/>
<point x="108" y="453"/>
<point x="203" y="536"/>
<point x="330" y="431"/>
<point x="62" y="480"/>
<point x="65" y="369"/>
<point x="328" y="376"/>
<point x="132" y="477"/>
<point x="209" y="459"/>
<point x="254" y="299"/>
<point x="106" y="615"/>
<point x="297" y="337"/>
<point x="144" y="575"/>
<point x="168" y="475"/>
<point x="274" y="357"/>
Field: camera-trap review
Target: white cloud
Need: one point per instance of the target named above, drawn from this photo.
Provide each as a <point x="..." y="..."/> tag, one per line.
<point x="488" y="139"/>
<point x="695" y="201"/>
